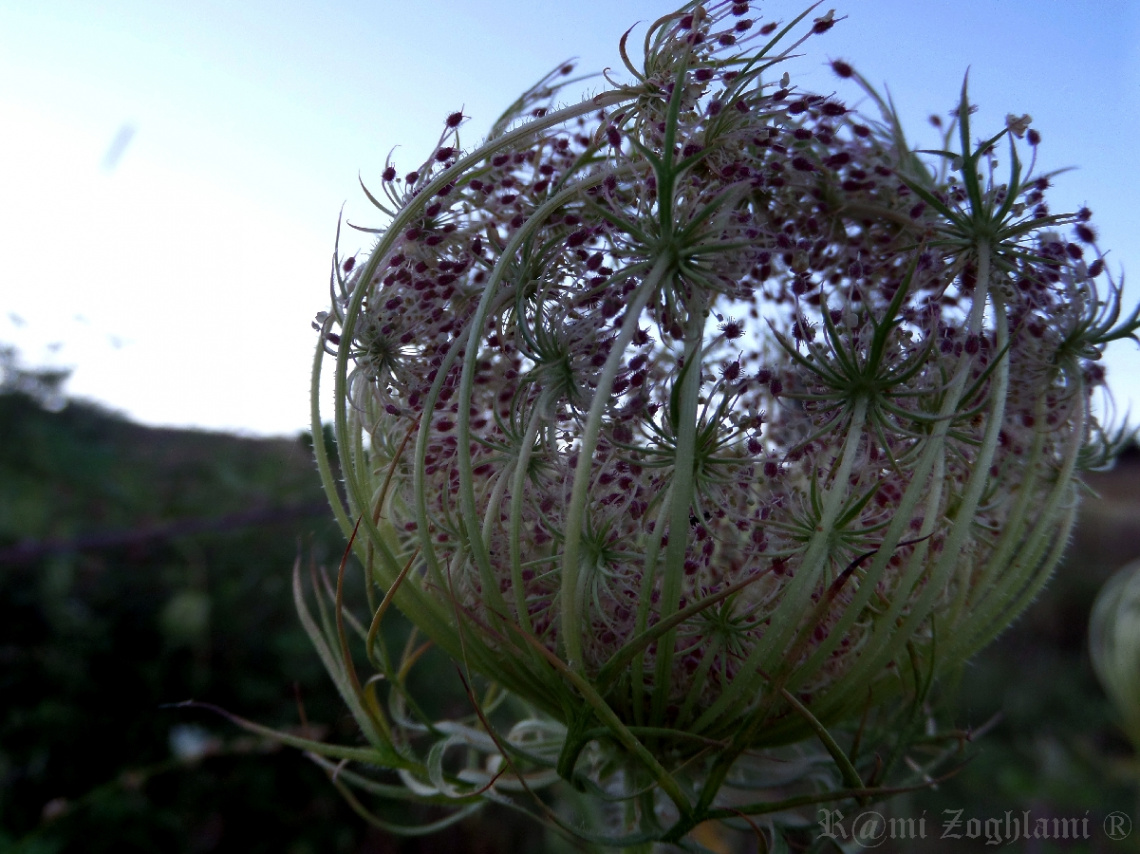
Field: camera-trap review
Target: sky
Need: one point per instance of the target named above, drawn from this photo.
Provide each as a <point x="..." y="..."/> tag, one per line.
<point x="172" y="173"/>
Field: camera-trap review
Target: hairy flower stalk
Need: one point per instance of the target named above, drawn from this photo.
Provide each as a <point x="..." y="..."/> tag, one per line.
<point x="706" y="420"/>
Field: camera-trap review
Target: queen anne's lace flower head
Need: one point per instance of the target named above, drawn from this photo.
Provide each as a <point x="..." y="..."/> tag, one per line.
<point x="705" y="414"/>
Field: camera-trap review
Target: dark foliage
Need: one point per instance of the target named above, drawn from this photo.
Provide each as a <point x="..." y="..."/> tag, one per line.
<point x="141" y="568"/>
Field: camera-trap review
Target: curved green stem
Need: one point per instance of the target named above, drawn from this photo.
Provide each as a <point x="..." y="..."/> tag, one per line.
<point x="573" y="610"/>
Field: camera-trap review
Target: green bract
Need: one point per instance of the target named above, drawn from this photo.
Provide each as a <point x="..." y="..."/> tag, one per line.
<point x="1114" y="644"/>
<point x="707" y="421"/>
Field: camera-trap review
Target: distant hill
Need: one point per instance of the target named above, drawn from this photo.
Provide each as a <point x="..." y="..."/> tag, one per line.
<point x="89" y="477"/>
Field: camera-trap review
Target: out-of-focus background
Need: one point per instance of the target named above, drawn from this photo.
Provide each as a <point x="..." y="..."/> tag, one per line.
<point x="141" y="567"/>
<point x="170" y="181"/>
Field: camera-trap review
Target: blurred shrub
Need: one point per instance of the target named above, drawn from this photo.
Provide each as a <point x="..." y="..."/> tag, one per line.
<point x="140" y="568"/>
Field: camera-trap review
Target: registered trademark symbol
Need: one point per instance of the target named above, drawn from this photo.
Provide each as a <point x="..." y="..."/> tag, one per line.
<point x="1117" y="825"/>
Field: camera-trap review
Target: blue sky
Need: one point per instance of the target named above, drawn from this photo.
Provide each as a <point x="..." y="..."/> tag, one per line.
<point x="171" y="173"/>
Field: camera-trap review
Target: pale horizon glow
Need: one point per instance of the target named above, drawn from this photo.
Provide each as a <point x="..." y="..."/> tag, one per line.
<point x="172" y="176"/>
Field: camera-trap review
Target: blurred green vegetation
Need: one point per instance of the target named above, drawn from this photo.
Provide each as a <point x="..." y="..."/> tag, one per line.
<point x="140" y="568"/>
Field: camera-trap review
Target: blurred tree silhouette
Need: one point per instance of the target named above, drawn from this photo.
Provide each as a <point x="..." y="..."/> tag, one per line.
<point x="44" y="385"/>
